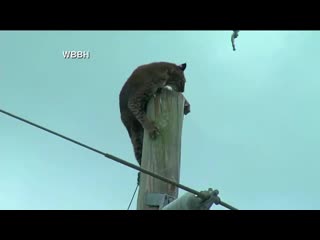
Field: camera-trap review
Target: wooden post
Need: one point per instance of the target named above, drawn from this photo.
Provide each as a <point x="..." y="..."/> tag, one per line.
<point x="162" y="155"/>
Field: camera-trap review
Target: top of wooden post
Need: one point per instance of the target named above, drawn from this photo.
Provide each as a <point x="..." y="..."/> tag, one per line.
<point x="162" y="155"/>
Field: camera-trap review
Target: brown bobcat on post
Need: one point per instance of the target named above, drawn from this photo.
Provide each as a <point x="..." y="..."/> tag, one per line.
<point x="144" y="83"/>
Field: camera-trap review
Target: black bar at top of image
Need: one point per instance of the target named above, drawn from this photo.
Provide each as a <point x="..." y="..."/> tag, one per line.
<point x="177" y="21"/>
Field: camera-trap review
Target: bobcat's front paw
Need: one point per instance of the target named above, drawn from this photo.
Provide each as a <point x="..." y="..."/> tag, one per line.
<point x="153" y="130"/>
<point x="186" y="107"/>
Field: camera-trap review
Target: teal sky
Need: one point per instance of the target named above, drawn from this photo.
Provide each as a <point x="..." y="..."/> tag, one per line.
<point x="253" y="132"/>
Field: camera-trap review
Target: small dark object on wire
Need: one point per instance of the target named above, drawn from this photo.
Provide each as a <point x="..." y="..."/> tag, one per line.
<point x="233" y="37"/>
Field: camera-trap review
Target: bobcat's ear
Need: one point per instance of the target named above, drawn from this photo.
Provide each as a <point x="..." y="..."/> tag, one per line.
<point x="182" y="66"/>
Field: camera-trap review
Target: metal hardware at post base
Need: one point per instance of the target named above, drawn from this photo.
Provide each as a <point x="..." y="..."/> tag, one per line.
<point x="158" y="199"/>
<point x="189" y="201"/>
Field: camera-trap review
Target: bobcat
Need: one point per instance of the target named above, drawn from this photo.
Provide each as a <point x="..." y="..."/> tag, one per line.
<point x="144" y="82"/>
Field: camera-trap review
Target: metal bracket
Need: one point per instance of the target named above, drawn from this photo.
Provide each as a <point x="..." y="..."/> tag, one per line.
<point x="212" y="199"/>
<point x="158" y="199"/>
<point x="189" y="201"/>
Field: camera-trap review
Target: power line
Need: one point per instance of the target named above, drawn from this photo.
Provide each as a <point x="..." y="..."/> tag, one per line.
<point x="116" y="159"/>
<point x="133" y="196"/>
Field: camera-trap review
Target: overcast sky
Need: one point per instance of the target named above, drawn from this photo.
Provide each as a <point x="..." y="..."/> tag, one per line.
<point x="253" y="132"/>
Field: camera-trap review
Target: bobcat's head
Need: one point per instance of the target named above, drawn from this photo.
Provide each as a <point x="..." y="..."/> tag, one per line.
<point x="176" y="77"/>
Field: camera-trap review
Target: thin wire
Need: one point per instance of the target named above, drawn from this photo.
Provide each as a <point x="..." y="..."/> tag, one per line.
<point x="116" y="159"/>
<point x="133" y="196"/>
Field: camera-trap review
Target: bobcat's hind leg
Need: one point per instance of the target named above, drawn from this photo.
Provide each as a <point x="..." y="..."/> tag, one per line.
<point x="137" y="105"/>
<point x="137" y="142"/>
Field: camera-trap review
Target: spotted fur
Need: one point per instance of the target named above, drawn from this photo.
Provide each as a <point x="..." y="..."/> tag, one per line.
<point x="144" y="82"/>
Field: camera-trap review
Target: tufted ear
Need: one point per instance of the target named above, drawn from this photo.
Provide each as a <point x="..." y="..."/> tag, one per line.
<point x="182" y="66"/>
